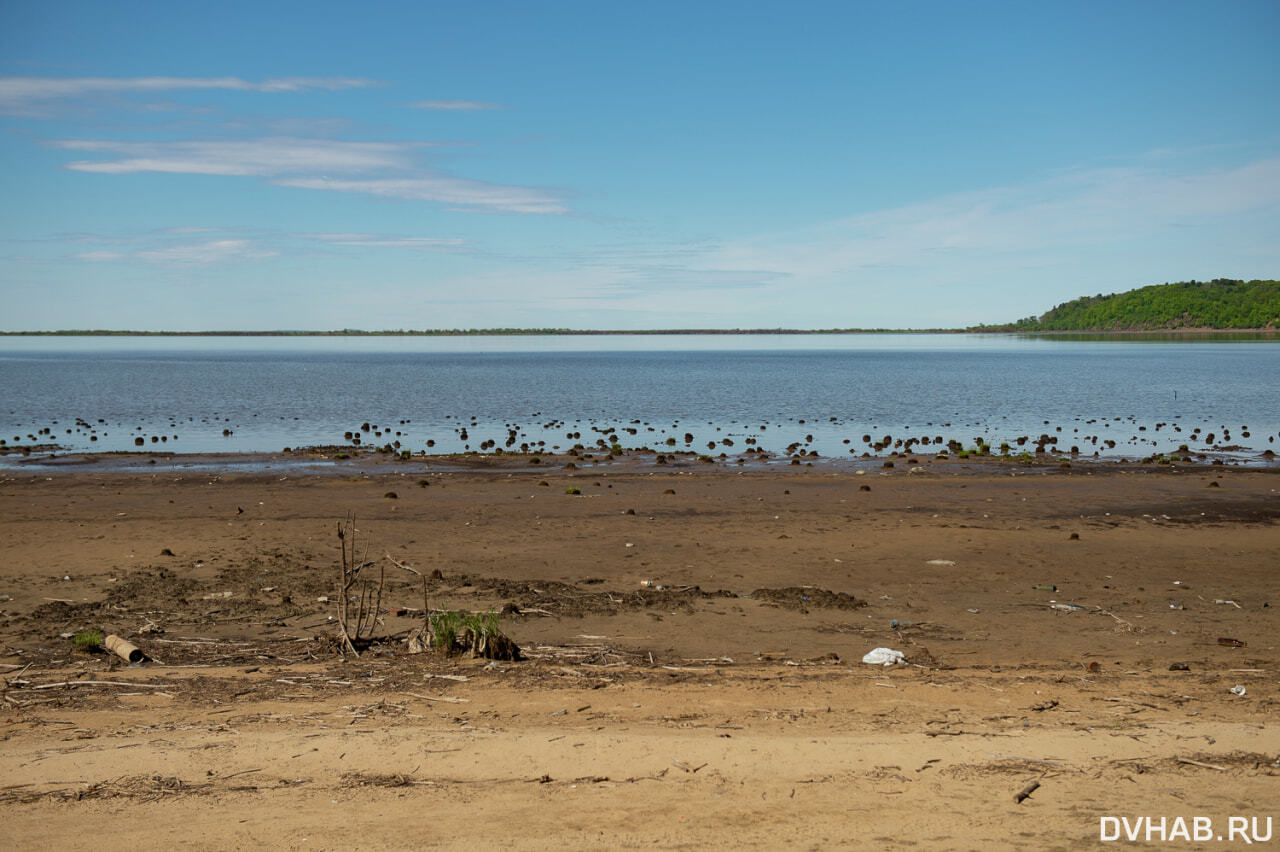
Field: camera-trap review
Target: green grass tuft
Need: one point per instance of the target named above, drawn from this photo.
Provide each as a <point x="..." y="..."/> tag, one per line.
<point x="88" y="641"/>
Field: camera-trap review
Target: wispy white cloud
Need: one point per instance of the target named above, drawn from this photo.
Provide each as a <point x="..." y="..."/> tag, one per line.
<point x="310" y="164"/>
<point x="199" y="245"/>
<point x="185" y="254"/>
<point x="191" y="229"/>
<point x="384" y="241"/>
<point x="464" y="193"/>
<point x="259" y="157"/>
<point x="993" y="227"/>
<point x="455" y="105"/>
<point x="16" y="92"/>
<point x="210" y="251"/>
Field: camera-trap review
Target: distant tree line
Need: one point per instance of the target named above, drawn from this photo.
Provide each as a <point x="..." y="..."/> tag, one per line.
<point x="462" y="332"/>
<point x="1222" y="303"/>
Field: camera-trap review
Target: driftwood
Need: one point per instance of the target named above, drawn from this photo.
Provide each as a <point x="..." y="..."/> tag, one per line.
<point x="1025" y="793"/>
<point x="101" y="683"/>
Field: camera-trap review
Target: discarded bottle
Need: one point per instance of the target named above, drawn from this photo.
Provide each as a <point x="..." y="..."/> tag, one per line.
<point x="1228" y="642"/>
<point x="1045" y="587"/>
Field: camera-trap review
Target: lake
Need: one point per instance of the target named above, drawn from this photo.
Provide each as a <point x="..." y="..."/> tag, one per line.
<point x="727" y="392"/>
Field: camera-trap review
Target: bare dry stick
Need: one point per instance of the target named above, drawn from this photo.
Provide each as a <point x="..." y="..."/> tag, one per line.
<point x="377" y="604"/>
<point x="1025" y="793"/>
<point x="426" y="606"/>
<point x="346" y="579"/>
<point x="100" y="683"/>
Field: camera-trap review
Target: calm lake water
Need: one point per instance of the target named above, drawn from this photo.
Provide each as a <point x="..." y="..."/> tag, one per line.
<point x="818" y="390"/>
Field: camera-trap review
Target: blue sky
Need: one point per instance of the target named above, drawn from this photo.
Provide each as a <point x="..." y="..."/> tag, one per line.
<point x="661" y="165"/>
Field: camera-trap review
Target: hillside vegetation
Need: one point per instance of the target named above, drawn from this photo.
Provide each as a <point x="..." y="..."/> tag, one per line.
<point x="1222" y="303"/>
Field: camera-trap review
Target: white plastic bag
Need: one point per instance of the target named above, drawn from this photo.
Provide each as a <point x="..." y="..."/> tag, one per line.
<point x="884" y="657"/>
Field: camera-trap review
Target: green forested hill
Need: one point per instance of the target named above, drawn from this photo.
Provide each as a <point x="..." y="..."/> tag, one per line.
<point x="1221" y="303"/>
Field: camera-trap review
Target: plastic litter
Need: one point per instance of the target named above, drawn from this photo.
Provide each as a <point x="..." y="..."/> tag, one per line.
<point x="1067" y="607"/>
<point x="1238" y="689"/>
<point x="884" y="657"/>
<point x="1228" y="642"/>
<point x="1045" y="587"/>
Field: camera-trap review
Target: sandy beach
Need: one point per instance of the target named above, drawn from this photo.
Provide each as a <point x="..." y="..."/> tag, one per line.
<point x="693" y="638"/>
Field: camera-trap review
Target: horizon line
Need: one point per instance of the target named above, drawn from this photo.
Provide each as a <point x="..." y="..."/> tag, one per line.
<point x="563" y="332"/>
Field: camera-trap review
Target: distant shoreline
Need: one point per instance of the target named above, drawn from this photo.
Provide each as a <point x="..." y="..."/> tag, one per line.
<point x="565" y="332"/>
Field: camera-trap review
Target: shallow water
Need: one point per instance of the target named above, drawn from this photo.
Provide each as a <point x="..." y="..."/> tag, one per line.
<point x="816" y="390"/>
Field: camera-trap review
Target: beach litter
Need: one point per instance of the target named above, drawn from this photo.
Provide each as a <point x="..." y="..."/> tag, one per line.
<point x="940" y="562"/>
<point x="1228" y="642"/>
<point x="123" y="649"/>
<point x="1045" y="587"/>
<point x="1238" y="689"/>
<point x="1067" y="607"/>
<point x="1223" y="601"/>
<point x="884" y="657"/>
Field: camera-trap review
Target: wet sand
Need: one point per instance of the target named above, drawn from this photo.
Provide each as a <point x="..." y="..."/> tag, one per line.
<point x="693" y="635"/>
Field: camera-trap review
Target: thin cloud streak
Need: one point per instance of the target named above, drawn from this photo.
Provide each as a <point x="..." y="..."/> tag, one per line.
<point x="185" y="254"/>
<point x="419" y="243"/>
<point x="19" y="91"/>
<point x="307" y="164"/>
<point x="456" y="105"/>
<point x="470" y="194"/>
<point x="260" y="158"/>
